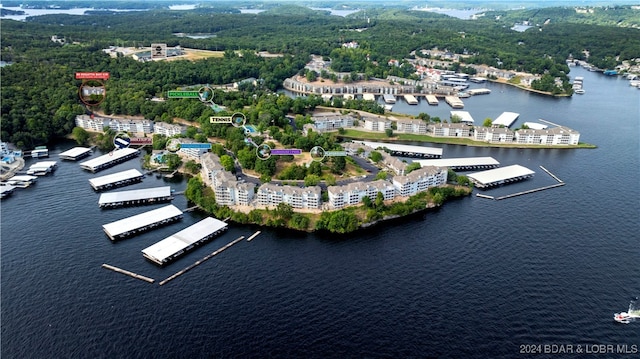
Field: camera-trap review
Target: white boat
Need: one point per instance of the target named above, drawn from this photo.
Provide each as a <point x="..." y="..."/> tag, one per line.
<point x="579" y="91"/>
<point x="630" y="315"/>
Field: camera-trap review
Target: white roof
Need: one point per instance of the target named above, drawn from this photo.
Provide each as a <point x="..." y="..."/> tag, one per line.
<point x="6" y="188"/>
<point x="369" y="97"/>
<point x="155" y="192"/>
<point x="114" y="177"/>
<point x="128" y="224"/>
<point x="500" y="174"/>
<point x="43" y="164"/>
<point x="465" y="116"/>
<point x="75" y="152"/>
<point x="23" y="178"/>
<point x="506" y="119"/>
<point x="535" y="125"/>
<point x="459" y="162"/>
<point x="173" y="244"/>
<point x="404" y="148"/>
<point x="106" y="158"/>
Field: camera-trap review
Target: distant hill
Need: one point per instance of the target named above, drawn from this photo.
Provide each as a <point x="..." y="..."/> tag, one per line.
<point x="621" y="16"/>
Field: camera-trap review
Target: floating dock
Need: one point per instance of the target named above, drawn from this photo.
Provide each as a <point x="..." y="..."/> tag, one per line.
<point x="253" y="236"/>
<point x="135" y="197"/>
<point x="369" y="97"/>
<point x="474" y="92"/>
<point x="109" y="159"/>
<point x="406" y="150"/>
<point x="183" y="241"/>
<point x="498" y="176"/>
<point x="464" y="116"/>
<point x="505" y="119"/>
<point x="130" y="274"/>
<point x="454" y="101"/>
<point x="411" y="100"/>
<point x="6" y="190"/>
<point x="536" y="126"/>
<point x="75" y="153"/>
<point x="478" y="80"/>
<point x="22" y="181"/>
<point x="116" y="179"/>
<point x="201" y="261"/>
<point x="462" y="163"/>
<point x="388" y="98"/>
<point x="432" y="100"/>
<point x="142" y="222"/>
<point x="530" y="191"/>
<point x="42" y="168"/>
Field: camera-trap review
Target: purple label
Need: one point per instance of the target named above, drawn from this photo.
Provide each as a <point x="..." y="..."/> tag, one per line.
<point x="291" y="151"/>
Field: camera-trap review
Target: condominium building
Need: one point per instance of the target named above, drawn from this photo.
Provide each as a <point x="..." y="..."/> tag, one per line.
<point x="168" y="129"/>
<point x="411" y="126"/>
<point x="353" y="193"/>
<point x="97" y="124"/>
<point x="554" y="136"/>
<point x="329" y="121"/>
<point x="301" y="198"/>
<point x="450" y="130"/>
<point x="494" y="134"/>
<point x="420" y="180"/>
<point x="376" y="124"/>
<point x="210" y="163"/>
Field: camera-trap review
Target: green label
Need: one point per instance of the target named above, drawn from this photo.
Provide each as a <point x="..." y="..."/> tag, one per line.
<point x="183" y="94"/>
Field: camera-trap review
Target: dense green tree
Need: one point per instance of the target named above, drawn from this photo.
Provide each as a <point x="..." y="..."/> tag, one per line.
<point x="80" y="135"/>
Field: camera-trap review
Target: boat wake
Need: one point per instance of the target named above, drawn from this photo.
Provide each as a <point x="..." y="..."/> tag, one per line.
<point x="632" y="314"/>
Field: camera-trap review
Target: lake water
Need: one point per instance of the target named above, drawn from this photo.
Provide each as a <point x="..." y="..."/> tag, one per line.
<point x="474" y="279"/>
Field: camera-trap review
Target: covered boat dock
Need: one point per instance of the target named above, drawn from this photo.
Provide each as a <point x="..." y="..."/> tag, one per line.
<point x="116" y="179"/>
<point x="139" y="223"/>
<point x="135" y="197"/>
<point x="109" y="159"/>
<point x="506" y="119"/>
<point x="462" y="163"/>
<point x="75" y="153"/>
<point x="406" y="150"/>
<point x="498" y="176"/>
<point x="179" y="243"/>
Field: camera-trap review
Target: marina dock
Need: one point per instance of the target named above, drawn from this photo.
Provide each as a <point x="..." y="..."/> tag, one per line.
<point x="22" y="181"/>
<point x="388" y="98"/>
<point x="6" y="190"/>
<point x="116" y="179"/>
<point x="135" y="197"/>
<point x="109" y="159"/>
<point x="177" y="244"/>
<point x="369" y="97"/>
<point x="130" y="274"/>
<point x="42" y="168"/>
<point x="432" y="100"/>
<point x="411" y="100"/>
<point x="201" y="261"/>
<point x="454" y="101"/>
<point x="406" y="150"/>
<point x="462" y="163"/>
<point x="75" y="153"/>
<point x="142" y="222"/>
<point x="506" y="119"/>
<point x="253" y="236"/>
<point x="474" y="92"/>
<point x="464" y="116"/>
<point x="559" y="184"/>
<point x="502" y="175"/>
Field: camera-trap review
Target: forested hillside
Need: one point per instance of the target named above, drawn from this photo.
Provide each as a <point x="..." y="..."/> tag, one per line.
<point x="39" y="91"/>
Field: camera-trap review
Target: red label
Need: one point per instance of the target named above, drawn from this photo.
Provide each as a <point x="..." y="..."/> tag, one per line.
<point x="141" y="141"/>
<point x="92" y="75"/>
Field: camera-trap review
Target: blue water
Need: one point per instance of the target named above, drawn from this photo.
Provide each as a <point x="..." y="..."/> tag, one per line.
<point x="474" y="279"/>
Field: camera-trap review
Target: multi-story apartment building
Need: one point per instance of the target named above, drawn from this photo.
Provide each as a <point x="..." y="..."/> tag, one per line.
<point x="376" y="124"/>
<point x="300" y="198"/>
<point x="494" y="134"/>
<point x="329" y="121"/>
<point x="393" y="163"/>
<point x="210" y="163"/>
<point x="353" y="193"/>
<point x="411" y="126"/>
<point x="420" y="180"/>
<point x="462" y="130"/>
<point x="195" y="153"/>
<point x="168" y="129"/>
<point x="554" y="136"/>
<point x="97" y="124"/>
<point x="92" y="123"/>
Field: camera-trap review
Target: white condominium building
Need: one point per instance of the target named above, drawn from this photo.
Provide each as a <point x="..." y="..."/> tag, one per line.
<point x="168" y="129"/>
<point x="352" y="193"/>
<point x="554" y="136"/>
<point x="420" y="180"/>
<point x="271" y="195"/>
